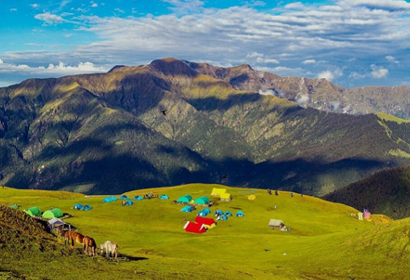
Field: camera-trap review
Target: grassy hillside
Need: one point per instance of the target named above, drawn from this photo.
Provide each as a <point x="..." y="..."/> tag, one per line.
<point x="170" y="123"/>
<point x="325" y="242"/>
<point x="386" y="192"/>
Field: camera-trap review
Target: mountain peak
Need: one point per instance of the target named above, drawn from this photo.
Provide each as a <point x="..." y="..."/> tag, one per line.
<point x="172" y="67"/>
<point x="116" y="67"/>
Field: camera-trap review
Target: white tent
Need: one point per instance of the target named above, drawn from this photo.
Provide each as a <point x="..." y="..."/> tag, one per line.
<point x="275" y="223"/>
<point x="55" y="222"/>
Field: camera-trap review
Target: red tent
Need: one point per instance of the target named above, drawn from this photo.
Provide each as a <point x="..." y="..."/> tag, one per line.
<point x="194" y="227"/>
<point x="205" y="221"/>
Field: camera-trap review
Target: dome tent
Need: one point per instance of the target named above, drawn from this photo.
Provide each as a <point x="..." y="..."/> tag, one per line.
<point x="164" y="196"/>
<point x="87" y="208"/>
<point x="218" y="212"/>
<point x="185" y="199"/>
<point x="187" y="209"/>
<point x="33" y="211"/>
<point x="138" y="197"/>
<point x="128" y="203"/>
<point x="240" y="214"/>
<point x="202" y="213"/>
<point x="202" y="200"/>
<point x="110" y="199"/>
<point x="53" y="213"/>
<point x="228" y="213"/>
<point x="78" y="206"/>
<point x="124" y="197"/>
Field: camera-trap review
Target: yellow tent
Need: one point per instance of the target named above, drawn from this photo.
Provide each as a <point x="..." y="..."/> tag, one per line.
<point x="251" y="197"/>
<point x="209" y="226"/>
<point x="217" y="192"/>
<point x="226" y="197"/>
<point x="360" y="216"/>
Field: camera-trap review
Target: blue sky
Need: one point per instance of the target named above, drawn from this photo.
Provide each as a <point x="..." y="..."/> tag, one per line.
<point x="350" y="42"/>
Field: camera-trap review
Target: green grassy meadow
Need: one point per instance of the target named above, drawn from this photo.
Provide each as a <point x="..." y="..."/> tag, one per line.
<point x="325" y="242"/>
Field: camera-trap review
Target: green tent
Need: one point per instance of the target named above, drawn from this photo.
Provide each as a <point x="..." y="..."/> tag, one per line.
<point x="53" y="213"/>
<point x="185" y="199"/>
<point x="202" y="200"/>
<point x="33" y="211"/>
<point x="14" y="206"/>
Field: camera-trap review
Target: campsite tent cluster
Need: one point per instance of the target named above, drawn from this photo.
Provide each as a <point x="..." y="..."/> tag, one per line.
<point x="49" y="214"/>
<point x="187" y="199"/>
<point x="79" y="206"/>
<point x="126" y="200"/>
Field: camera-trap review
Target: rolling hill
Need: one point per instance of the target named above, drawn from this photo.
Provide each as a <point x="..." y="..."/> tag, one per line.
<point x="173" y="122"/>
<point x="324" y="242"/>
<point x="386" y="192"/>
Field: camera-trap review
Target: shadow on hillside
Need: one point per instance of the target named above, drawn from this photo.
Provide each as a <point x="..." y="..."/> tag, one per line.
<point x="132" y="258"/>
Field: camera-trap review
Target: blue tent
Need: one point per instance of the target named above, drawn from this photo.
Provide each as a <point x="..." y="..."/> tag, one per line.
<point x="78" y="206"/>
<point x="87" y="207"/>
<point x="138" y="197"/>
<point x="228" y="213"/>
<point x="124" y="197"/>
<point x="202" y="213"/>
<point x="223" y="217"/>
<point x="110" y="199"/>
<point x="219" y="212"/>
<point x="164" y="196"/>
<point x="128" y="203"/>
<point x="240" y="214"/>
<point x="187" y="209"/>
<point x="207" y="211"/>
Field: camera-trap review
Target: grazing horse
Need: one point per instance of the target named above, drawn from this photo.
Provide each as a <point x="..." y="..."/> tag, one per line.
<point x="111" y="248"/>
<point x="77" y="238"/>
<point x="67" y="237"/>
<point x="90" y="246"/>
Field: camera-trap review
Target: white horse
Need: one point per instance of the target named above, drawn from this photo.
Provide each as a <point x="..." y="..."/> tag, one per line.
<point x="111" y="248"/>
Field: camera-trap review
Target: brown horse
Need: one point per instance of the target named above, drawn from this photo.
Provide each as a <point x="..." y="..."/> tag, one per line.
<point x="67" y="237"/>
<point x="90" y="246"/>
<point x="73" y="237"/>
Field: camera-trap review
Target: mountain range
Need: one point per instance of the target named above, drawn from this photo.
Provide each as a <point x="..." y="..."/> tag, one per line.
<point x="172" y="122"/>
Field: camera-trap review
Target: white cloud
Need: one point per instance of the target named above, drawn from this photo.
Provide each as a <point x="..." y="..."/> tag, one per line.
<point x="119" y="10"/>
<point x="184" y="6"/>
<point x="380" y="4"/>
<point x="49" y="18"/>
<point x="13" y="10"/>
<point x="94" y="5"/>
<point x="35" y="6"/>
<point x="284" y="71"/>
<point x="392" y="59"/>
<point x="254" y="54"/>
<point x="356" y="75"/>
<point x="267" y="60"/>
<point x="51" y="69"/>
<point x="378" y="72"/>
<point x="295" y="5"/>
<point x="309" y="61"/>
<point x="266" y="92"/>
<point x="330" y="75"/>
<point x="302" y="99"/>
<point x="1" y="61"/>
<point x="33" y="45"/>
